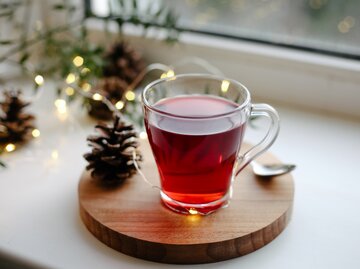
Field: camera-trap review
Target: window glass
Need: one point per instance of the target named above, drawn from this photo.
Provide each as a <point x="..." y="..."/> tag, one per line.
<point x="325" y="26"/>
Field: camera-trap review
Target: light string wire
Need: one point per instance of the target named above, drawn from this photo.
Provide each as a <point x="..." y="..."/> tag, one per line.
<point x="169" y="70"/>
<point x="29" y="69"/>
<point x="39" y="80"/>
<point x="131" y="87"/>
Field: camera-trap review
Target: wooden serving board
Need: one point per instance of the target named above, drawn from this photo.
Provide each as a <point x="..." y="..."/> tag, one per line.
<point x="132" y="220"/>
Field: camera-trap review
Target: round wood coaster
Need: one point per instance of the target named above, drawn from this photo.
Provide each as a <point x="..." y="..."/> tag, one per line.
<point x="132" y="220"/>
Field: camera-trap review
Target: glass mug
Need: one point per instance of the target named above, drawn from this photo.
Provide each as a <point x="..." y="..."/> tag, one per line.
<point x="195" y="124"/>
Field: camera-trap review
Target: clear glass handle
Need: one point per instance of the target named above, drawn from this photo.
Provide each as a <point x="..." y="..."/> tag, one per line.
<point x="271" y="135"/>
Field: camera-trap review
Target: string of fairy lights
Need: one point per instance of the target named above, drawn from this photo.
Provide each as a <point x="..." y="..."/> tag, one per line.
<point x="71" y="88"/>
<point x="129" y="96"/>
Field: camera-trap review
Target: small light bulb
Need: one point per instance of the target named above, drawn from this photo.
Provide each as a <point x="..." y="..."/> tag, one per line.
<point x="39" y="80"/>
<point x="170" y="73"/>
<point x="85" y="70"/>
<point x="55" y="155"/>
<point x="193" y="211"/>
<point x="97" y="97"/>
<point x="70" y="78"/>
<point x="86" y="87"/>
<point x="60" y="105"/>
<point x="350" y="20"/>
<point x="35" y="133"/>
<point x="10" y="147"/>
<point x="130" y="95"/>
<point x="163" y="75"/>
<point x="225" y="86"/>
<point x="60" y="102"/>
<point x="143" y="135"/>
<point x="78" y="61"/>
<point x="69" y="91"/>
<point x="343" y="27"/>
<point x="119" y="105"/>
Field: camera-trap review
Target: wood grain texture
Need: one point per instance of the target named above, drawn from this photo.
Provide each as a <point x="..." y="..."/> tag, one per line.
<point x="131" y="219"/>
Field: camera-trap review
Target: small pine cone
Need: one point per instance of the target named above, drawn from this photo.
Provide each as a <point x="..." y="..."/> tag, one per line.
<point x="113" y="88"/>
<point x="124" y="62"/>
<point x="15" y="125"/>
<point x="111" y="159"/>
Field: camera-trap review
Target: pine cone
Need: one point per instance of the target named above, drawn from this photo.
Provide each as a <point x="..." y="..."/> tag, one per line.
<point x="113" y="88"/>
<point x="111" y="158"/>
<point x="123" y="62"/>
<point x="15" y="125"/>
<point x="123" y="65"/>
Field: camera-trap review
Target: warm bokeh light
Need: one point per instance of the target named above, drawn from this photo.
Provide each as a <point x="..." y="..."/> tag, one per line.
<point x="60" y="105"/>
<point x="130" y="95"/>
<point x="39" y="80"/>
<point x="143" y="135"/>
<point x="86" y="87"/>
<point x="35" y="133"/>
<point x="345" y="25"/>
<point x="85" y="70"/>
<point x="168" y="74"/>
<point x="70" y="78"/>
<point x="10" y="147"/>
<point x="193" y="211"/>
<point x="55" y="154"/>
<point x="60" y="102"/>
<point x="193" y="219"/>
<point x="97" y="97"/>
<point x="225" y="86"/>
<point x="69" y="91"/>
<point x="78" y="61"/>
<point x="119" y="105"/>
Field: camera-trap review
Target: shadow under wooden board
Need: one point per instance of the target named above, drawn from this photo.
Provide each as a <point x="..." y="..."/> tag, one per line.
<point x="132" y="220"/>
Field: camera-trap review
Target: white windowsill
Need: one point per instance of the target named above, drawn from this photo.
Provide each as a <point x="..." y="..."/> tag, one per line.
<point x="39" y="200"/>
<point x="38" y="194"/>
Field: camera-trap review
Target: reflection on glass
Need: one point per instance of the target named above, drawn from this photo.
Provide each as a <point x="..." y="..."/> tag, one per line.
<point x="330" y="26"/>
<point x="327" y="26"/>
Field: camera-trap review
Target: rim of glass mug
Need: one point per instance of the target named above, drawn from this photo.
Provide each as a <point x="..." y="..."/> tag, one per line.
<point x="244" y="104"/>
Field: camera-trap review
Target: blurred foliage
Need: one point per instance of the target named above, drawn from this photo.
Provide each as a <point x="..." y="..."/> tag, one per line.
<point x="61" y="43"/>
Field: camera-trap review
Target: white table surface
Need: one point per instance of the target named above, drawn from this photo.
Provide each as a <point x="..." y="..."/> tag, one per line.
<point x="39" y="216"/>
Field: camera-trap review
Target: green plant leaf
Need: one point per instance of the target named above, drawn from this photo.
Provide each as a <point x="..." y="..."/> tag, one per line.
<point x="6" y="42"/>
<point x="134" y="5"/>
<point x="59" y="6"/>
<point x="58" y="91"/>
<point x="159" y="12"/>
<point x="63" y="42"/>
<point x="6" y="14"/>
<point x="2" y="164"/>
<point x="24" y="58"/>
